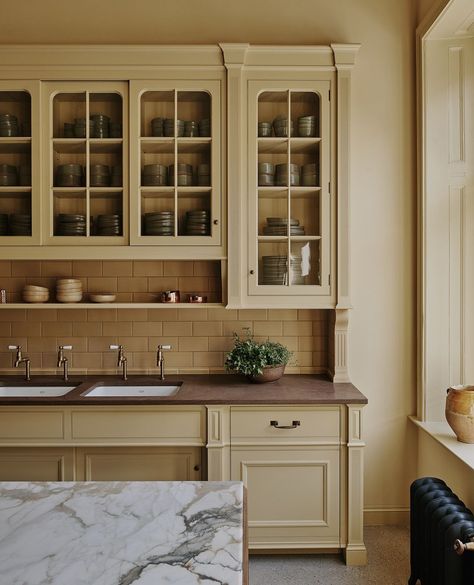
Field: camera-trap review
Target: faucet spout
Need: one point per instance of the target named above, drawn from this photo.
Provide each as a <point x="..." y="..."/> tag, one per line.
<point x="19" y="359"/>
<point x="160" y="359"/>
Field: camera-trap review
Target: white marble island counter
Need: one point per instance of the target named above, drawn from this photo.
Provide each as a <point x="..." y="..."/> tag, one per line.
<point x="121" y="533"/>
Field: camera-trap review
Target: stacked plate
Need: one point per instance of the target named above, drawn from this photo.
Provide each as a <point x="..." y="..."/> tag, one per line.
<point x="281" y="177"/>
<point x="205" y="127"/>
<point x="99" y="176"/>
<point x="309" y="177"/>
<point x="274" y="270"/>
<point x="69" y="175"/>
<point x="3" y="224"/>
<point x="204" y="175"/>
<point x="158" y="223"/>
<point x="101" y="126"/>
<point x="191" y="128"/>
<point x="197" y="222"/>
<point x="80" y="127"/>
<point x="266" y="174"/>
<point x="108" y="225"/>
<point x="280" y="125"/>
<point x="265" y="129"/>
<point x="19" y="224"/>
<point x="8" y="125"/>
<point x="307" y="126"/>
<point x="185" y="175"/>
<point x="68" y="290"/>
<point x="296" y="270"/>
<point x="8" y="175"/>
<point x="157" y="127"/>
<point x="278" y="226"/>
<point x="35" y="294"/>
<point x="70" y="224"/>
<point x="168" y="126"/>
<point x="154" y="175"/>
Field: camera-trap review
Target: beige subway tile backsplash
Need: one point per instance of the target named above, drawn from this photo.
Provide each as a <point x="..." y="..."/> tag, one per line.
<point x="200" y="336"/>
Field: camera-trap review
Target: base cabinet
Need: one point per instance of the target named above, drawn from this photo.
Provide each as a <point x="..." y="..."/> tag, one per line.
<point x="293" y="495"/>
<point x="36" y="464"/>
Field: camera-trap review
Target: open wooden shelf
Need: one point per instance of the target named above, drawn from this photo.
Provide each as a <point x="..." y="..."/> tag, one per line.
<point x="88" y="305"/>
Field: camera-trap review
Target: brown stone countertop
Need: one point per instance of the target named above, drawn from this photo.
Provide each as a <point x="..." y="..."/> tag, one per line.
<point x="195" y="389"/>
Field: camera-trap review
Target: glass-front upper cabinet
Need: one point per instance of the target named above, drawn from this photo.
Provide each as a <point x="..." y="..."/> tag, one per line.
<point x="86" y="163"/>
<point x="20" y="220"/>
<point x="176" y="181"/>
<point x="290" y="213"/>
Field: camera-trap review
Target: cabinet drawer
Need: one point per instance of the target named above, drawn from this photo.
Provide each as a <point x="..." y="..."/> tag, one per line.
<point x="23" y="424"/>
<point x="253" y="424"/>
<point x="170" y="426"/>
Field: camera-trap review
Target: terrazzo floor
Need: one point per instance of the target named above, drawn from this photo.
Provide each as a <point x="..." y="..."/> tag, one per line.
<point x="389" y="561"/>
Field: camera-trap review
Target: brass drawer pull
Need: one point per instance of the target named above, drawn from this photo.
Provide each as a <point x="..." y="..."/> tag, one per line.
<point x="274" y="423"/>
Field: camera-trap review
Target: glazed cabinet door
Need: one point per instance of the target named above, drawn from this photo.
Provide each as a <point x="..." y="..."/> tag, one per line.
<point x="290" y="210"/>
<point x="138" y="464"/>
<point x="176" y="179"/>
<point x="20" y="208"/>
<point x="36" y="464"/>
<point x="293" y="495"/>
<point x="85" y="174"/>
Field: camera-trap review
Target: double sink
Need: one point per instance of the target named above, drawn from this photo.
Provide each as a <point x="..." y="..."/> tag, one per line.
<point x="98" y="391"/>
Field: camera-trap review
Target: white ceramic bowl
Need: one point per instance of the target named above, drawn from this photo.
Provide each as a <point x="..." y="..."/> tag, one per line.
<point x="103" y="297"/>
<point x="62" y="281"/>
<point x="69" y="298"/>
<point x="35" y="288"/>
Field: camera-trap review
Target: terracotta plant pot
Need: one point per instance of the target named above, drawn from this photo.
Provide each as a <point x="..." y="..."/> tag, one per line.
<point x="269" y="374"/>
<point x="460" y="412"/>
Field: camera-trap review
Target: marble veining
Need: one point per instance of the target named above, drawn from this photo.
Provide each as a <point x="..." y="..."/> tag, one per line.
<point x="121" y="533"/>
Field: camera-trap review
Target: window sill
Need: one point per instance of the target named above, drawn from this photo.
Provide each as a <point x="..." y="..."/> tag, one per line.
<point x="441" y="432"/>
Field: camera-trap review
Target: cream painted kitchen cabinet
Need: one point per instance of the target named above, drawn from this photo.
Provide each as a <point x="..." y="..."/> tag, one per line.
<point x="36" y="464"/>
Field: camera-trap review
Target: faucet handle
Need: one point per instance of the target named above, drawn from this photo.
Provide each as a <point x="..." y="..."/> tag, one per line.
<point x="65" y="347"/>
<point x="114" y="346"/>
<point x="164" y="347"/>
<point x="14" y="347"/>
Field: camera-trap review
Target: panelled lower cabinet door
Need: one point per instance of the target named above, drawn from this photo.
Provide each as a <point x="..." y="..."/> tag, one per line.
<point x="290" y="210"/>
<point x="293" y="495"/>
<point x="138" y="464"/>
<point x="36" y="464"/>
<point x="85" y="151"/>
<point x="176" y="182"/>
<point x="20" y="208"/>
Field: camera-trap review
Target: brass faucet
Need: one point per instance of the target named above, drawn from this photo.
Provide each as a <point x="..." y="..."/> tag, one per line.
<point x="121" y="360"/>
<point x="63" y="361"/>
<point x="19" y="359"/>
<point x="160" y="360"/>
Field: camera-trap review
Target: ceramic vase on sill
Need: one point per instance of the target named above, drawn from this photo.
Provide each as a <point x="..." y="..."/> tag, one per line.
<point x="460" y="412"/>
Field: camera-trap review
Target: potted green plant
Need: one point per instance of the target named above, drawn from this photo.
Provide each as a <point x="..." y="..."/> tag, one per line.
<point x="259" y="361"/>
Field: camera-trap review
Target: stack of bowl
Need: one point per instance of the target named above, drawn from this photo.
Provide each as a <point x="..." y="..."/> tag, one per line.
<point x="307" y="126"/>
<point x="168" y="127"/>
<point x="19" y="224"/>
<point x="281" y="178"/>
<point x="154" y="175"/>
<point x="116" y="176"/>
<point x="101" y="126"/>
<point x="8" y="125"/>
<point x="280" y="126"/>
<point x="25" y="175"/>
<point x="115" y="130"/>
<point x="278" y="226"/>
<point x="8" y="175"/>
<point x="35" y="294"/>
<point x="185" y="175"/>
<point x="70" y="224"/>
<point x="296" y="269"/>
<point x="68" y="130"/>
<point x="274" y="270"/>
<point x="265" y="129"/>
<point x="204" y="175"/>
<point x="157" y="127"/>
<point x="69" y="175"/>
<point x="108" y="225"/>
<point x="68" y="290"/>
<point x="266" y="174"/>
<point x="198" y="222"/>
<point x="205" y="127"/>
<point x="309" y="177"/>
<point x="80" y="127"/>
<point x="99" y="176"/>
<point x="3" y="224"/>
<point x="158" y="223"/>
<point x="191" y="128"/>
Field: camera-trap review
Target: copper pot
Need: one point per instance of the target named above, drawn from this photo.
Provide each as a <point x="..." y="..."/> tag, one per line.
<point x="460" y="412"/>
<point x="269" y="374"/>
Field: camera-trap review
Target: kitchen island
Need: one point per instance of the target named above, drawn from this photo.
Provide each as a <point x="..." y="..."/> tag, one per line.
<point x="122" y="533"/>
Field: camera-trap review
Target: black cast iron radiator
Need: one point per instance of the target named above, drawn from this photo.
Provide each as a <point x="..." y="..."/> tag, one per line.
<point x="441" y="535"/>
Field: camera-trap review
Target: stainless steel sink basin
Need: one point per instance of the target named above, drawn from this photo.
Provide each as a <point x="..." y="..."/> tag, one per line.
<point x="34" y="391"/>
<point x="132" y="391"/>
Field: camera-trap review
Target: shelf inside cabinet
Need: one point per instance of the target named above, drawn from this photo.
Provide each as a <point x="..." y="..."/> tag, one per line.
<point x="15" y="144"/>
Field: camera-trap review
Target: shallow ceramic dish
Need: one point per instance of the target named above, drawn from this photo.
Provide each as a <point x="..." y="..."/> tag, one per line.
<point x="102" y="297"/>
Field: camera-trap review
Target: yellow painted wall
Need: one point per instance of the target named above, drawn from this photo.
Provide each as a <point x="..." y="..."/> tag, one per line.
<point x="382" y="341"/>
